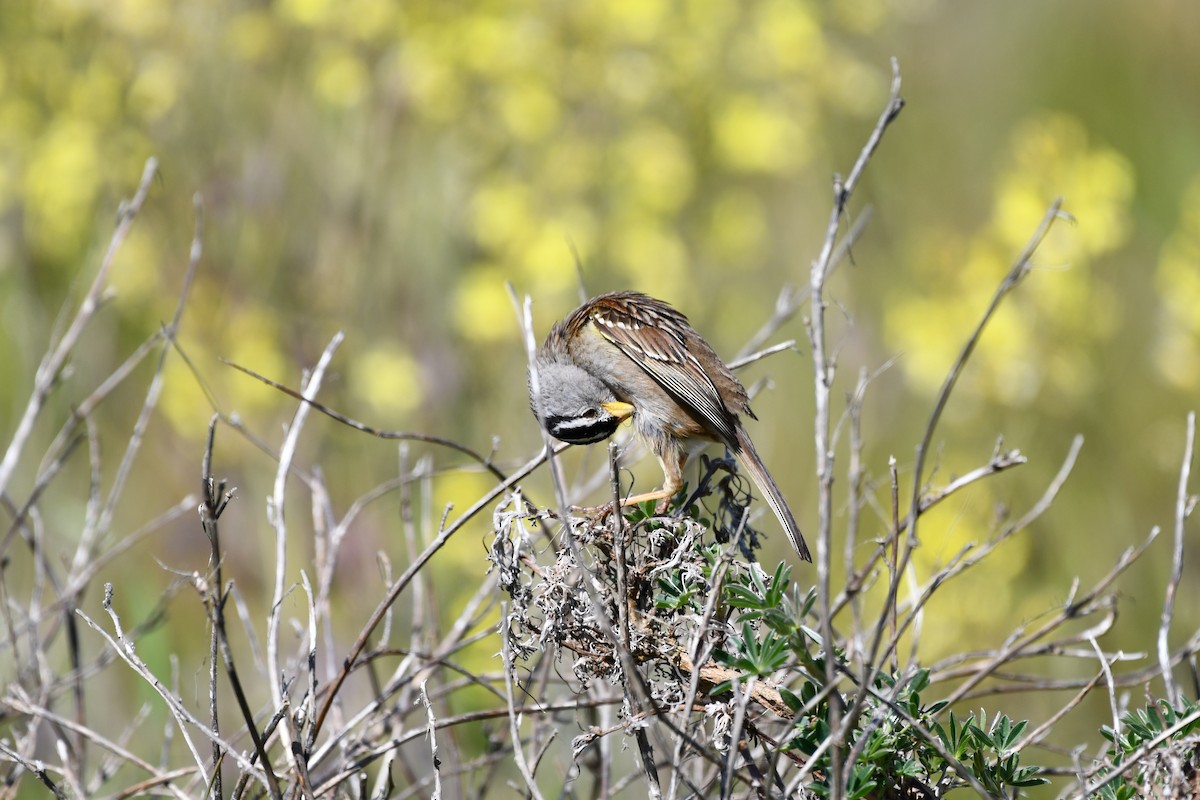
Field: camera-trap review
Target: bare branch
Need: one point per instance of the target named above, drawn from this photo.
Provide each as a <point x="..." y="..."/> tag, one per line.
<point x="52" y="364"/>
<point x="1168" y="612"/>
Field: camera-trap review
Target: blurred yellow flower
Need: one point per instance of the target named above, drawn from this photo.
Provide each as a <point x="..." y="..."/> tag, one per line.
<point x="924" y="330"/>
<point x="134" y="276"/>
<point x="340" y="78"/>
<point x="1050" y="156"/>
<point x="650" y="256"/>
<point x="60" y="185"/>
<point x="253" y="35"/>
<point x="634" y="20"/>
<point x="249" y="337"/>
<point x="96" y="94"/>
<point x="252" y="340"/>
<point x="502" y="212"/>
<point x="530" y="112"/>
<point x="312" y="13"/>
<point x="548" y="260"/>
<point x="968" y="519"/>
<point x="368" y="20"/>
<point x="482" y="310"/>
<point x="142" y="19"/>
<point x="655" y="167"/>
<point x="389" y="378"/>
<point x="752" y="135"/>
<point x="790" y="33"/>
<point x="426" y="73"/>
<point x="182" y="402"/>
<point x="20" y="120"/>
<point x="849" y="84"/>
<point x="486" y="44"/>
<point x="155" y="89"/>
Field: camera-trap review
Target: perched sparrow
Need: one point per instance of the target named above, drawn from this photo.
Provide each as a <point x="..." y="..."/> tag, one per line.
<point x="626" y="354"/>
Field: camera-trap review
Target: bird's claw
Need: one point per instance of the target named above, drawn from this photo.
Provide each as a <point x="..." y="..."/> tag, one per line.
<point x="598" y="513"/>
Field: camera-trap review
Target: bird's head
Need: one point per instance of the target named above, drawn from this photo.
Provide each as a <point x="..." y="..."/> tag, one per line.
<point x="575" y="406"/>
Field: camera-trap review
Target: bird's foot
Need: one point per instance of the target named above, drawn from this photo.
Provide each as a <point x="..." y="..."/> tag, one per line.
<point x="595" y="512"/>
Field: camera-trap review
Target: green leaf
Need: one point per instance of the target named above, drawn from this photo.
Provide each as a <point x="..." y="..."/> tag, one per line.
<point x="794" y="703"/>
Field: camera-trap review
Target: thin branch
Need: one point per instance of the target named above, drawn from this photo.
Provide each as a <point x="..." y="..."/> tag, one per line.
<point x="433" y="745"/>
<point x="87" y="541"/>
<point x="1019" y="270"/>
<point x="791" y="298"/>
<point x="277" y="517"/>
<point x="50" y="367"/>
<point x="1106" y="671"/>
<point x="759" y="355"/>
<point x="216" y="499"/>
<point x="1070" y="610"/>
<point x="1035" y="736"/>
<point x="822" y="382"/>
<point x="1168" y="612"/>
<point x="513" y="721"/>
<point x="396" y="588"/>
<point x="441" y="441"/>
<point x="183" y="718"/>
<point x="20" y="703"/>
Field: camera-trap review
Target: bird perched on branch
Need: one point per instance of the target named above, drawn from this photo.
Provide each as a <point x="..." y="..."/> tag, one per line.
<point x="625" y="354"/>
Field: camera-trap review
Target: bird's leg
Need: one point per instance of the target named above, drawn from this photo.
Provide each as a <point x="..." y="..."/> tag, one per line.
<point x="672" y="467"/>
<point x="673" y="480"/>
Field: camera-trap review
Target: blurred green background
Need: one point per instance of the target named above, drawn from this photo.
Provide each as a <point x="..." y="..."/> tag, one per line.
<point x="384" y="168"/>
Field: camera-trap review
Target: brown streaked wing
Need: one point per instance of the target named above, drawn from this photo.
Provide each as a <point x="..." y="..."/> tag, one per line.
<point x="654" y="335"/>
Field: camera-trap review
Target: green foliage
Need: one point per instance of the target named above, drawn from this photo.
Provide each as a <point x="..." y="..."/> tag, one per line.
<point x="755" y="655"/>
<point x="1147" y="728"/>
<point x="1148" y="724"/>
<point x="897" y="734"/>
<point x="677" y="592"/>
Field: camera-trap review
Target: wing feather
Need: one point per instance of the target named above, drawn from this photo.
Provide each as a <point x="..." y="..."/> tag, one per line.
<point x="655" y="337"/>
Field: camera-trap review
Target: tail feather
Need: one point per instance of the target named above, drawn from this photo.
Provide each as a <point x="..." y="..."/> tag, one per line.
<point x="766" y="484"/>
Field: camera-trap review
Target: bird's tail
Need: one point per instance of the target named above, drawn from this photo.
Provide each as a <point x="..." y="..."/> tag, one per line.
<point x="766" y="484"/>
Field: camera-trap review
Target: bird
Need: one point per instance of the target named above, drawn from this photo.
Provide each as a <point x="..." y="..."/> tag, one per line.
<point x="625" y="355"/>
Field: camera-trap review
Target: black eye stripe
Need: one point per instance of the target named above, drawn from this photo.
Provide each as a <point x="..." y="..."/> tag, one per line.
<point x="578" y="430"/>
